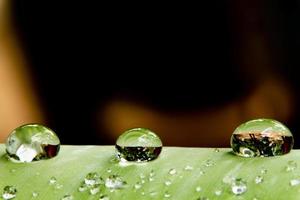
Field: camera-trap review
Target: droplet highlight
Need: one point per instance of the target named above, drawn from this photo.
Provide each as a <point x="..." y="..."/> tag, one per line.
<point x="9" y="192"/>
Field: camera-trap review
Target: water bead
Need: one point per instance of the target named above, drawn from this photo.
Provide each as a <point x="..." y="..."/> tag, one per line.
<point x="32" y="142"/>
<point x="138" y="144"/>
<point x="261" y="137"/>
<point x="9" y="192"/>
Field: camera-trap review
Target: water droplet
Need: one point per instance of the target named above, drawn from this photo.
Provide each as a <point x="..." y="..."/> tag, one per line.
<point x="93" y="178"/>
<point x="52" y="180"/>
<point x="83" y="187"/>
<point x="217" y="150"/>
<point x="104" y="197"/>
<point x="188" y="168"/>
<point x="143" y="193"/>
<point x="35" y="194"/>
<point x="198" y="189"/>
<point x="58" y="186"/>
<point x="259" y="179"/>
<point x="12" y="170"/>
<point x="209" y="163"/>
<point x="95" y="189"/>
<point x="67" y="197"/>
<point x="168" y="182"/>
<point x="151" y="175"/>
<point x="167" y="194"/>
<point x="294" y="182"/>
<point x="201" y="172"/>
<point x="138" y="144"/>
<point x="142" y="176"/>
<point x="263" y="171"/>
<point x="138" y="185"/>
<point x="238" y="186"/>
<point x="108" y="170"/>
<point x="172" y="171"/>
<point x="9" y="192"/>
<point x="115" y="182"/>
<point x="291" y="166"/>
<point x="218" y="192"/>
<point x="261" y="137"/>
<point x="153" y="193"/>
<point x="32" y="142"/>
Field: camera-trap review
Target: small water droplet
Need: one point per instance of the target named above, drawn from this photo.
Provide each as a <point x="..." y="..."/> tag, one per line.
<point x="168" y="182"/>
<point x="32" y="142"/>
<point x="138" y="185"/>
<point x="95" y="189"/>
<point x="83" y="187"/>
<point x="201" y="172"/>
<point x="294" y="182"/>
<point x="93" y="178"/>
<point x="58" y="186"/>
<point x="217" y="150"/>
<point x="291" y="166"/>
<point x="143" y="193"/>
<point x="167" y="194"/>
<point x="198" y="189"/>
<point x="151" y="174"/>
<point x="259" y="179"/>
<point x="12" y="170"/>
<point x="139" y="145"/>
<point x="142" y="176"/>
<point x="218" y="192"/>
<point x="104" y="197"/>
<point x="108" y="170"/>
<point x="209" y="163"/>
<point x="261" y="137"/>
<point x="238" y="186"/>
<point x="115" y="182"/>
<point x="35" y="194"/>
<point x="153" y="193"/>
<point x="9" y="192"/>
<point x="203" y="198"/>
<point x="263" y="171"/>
<point x="52" y="180"/>
<point x="67" y="197"/>
<point x="172" y="171"/>
<point x="188" y="168"/>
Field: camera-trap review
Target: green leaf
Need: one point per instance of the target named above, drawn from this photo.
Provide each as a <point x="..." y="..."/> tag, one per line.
<point x="190" y="168"/>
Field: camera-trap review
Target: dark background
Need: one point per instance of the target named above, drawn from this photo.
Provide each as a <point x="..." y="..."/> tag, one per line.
<point x="169" y="57"/>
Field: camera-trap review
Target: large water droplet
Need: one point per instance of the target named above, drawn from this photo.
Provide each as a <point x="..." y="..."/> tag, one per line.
<point x="115" y="182"/>
<point x="138" y="144"/>
<point x="168" y="182"/>
<point x="262" y="137"/>
<point x="238" y="186"/>
<point x="32" y="142"/>
<point x="93" y="178"/>
<point x="9" y="192"/>
<point x="203" y="198"/>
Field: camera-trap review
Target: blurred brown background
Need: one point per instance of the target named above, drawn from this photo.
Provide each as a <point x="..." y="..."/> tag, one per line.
<point x="191" y="73"/>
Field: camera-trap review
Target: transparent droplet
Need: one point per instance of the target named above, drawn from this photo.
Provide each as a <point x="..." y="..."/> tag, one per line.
<point x="104" y="197"/>
<point x="138" y="185"/>
<point x="218" y="192"/>
<point x="172" y="171"/>
<point x="198" y="189"/>
<point x="93" y="178"/>
<point x="58" y="186"/>
<point x="52" y="180"/>
<point x="167" y="194"/>
<point x="263" y="171"/>
<point x="188" y="168"/>
<point x="261" y="137"/>
<point x="95" y="189"/>
<point x="32" y="142"/>
<point x="168" y="182"/>
<point x="294" y="182"/>
<point x="138" y="144"/>
<point x="203" y="198"/>
<point x="291" y="166"/>
<point x="153" y="193"/>
<point x="259" y="179"/>
<point x="108" y="170"/>
<point x="9" y="192"/>
<point x="67" y="197"/>
<point x="115" y="182"/>
<point x="35" y="194"/>
<point x="209" y="163"/>
<point x="238" y="186"/>
<point x="217" y="150"/>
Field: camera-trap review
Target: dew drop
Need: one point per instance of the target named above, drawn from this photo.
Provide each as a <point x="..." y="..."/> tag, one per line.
<point x="261" y="137"/>
<point x="218" y="192"/>
<point x="172" y="171"/>
<point x="58" y="186"/>
<point x="153" y="193"/>
<point x="32" y="142"/>
<point x="93" y="178"/>
<point x="188" y="168"/>
<point x="209" y="163"/>
<point x="294" y="182"/>
<point x="9" y="192"/>
<point x="115" y="182"/>
<point x="52" y="180"/>
<point x="203" y="198"/>
<point x="95" y="189"/>
<point x="35" y="194"/>
<point x="67" y="197"/>
<point x="138" y="185"/>
<point x="167" y="194"/>
<point x="108" y="170"/>
<point x="168" y="182"/>
<point x="217" y="150"/>
<point x="83" y="187"/>
<point x="238" y="186"/>
<point x="139" y="145"/>
<point x="198" y="189"/>
<point x="259" y="179"/>
<point x="291" y="166"/>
